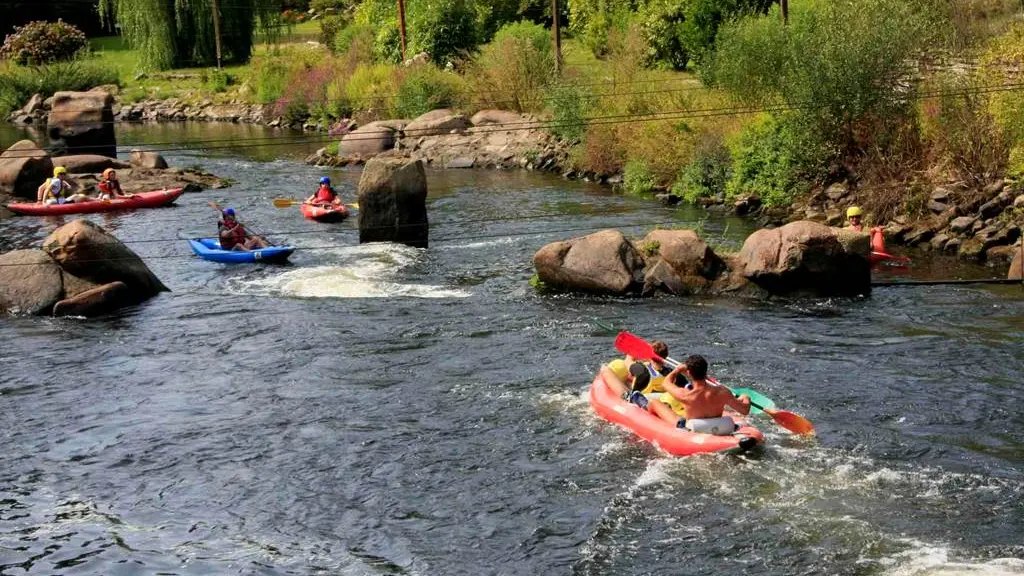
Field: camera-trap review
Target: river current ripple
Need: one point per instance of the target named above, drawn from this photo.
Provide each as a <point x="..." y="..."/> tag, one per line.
<point x="386" y="410"/>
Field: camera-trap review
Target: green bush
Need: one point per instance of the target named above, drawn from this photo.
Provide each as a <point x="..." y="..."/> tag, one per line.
<point x="19" y="83"/>
<point x="637" y="178"/>
<point x="424" y="88"/>
<point x="662" y="24"/>
<point x="444" y="29"/>
<point x="371" y="87"/>
<point x="593" y="21"/>
<point x="330" y="26"/>
<point x="516" y="68"/>
<point x="43" y="42"/>
<point x="568" y="104"/>
<point x="702" y="19"/>
<point x="841" y="61"/>
<point x="776" y="159"/>
<point x="270" y="78"/>
<point x="356" y="38"/>
<point x="218" y="80"/>
<point x="706" y="175"/>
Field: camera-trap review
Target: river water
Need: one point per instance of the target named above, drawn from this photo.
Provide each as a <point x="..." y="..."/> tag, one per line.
<point x="380" y="409"/>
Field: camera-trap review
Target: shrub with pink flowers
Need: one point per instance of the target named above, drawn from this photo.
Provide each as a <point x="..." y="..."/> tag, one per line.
<point x="43" y="42"/>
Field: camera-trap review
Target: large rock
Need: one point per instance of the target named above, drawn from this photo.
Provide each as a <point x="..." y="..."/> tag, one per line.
<point x="88" y="163"/>
<point x="23" y="167"/>
<point x="99" y="300"/>
<point x="435" y="122"/>
<point x="83" y="122"/>
<point x="367" y="141"/>
<point x="150" y="160"/>
<point x="805" y="257"/>
<point x="85" y="250"/>
<point x="393" y="203"/>
<point x="694" y="264"/>
<point x="1016" y="267"/>
<point x="499" y="117"/>
<point x="30" y="282"/>
<point x="603" y="262"/>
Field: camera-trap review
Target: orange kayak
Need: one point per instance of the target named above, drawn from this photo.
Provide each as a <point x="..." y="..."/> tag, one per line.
<point x="152" y="199"/>
<point x="324" y="212"/>
<point x="664" y="435"/>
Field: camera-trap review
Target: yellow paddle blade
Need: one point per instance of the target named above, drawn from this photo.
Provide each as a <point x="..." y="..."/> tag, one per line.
<point x="285" y="202"/>
<point x="355" y="205"/>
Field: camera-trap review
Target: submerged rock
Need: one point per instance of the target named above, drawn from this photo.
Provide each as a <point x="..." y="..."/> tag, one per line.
<point x="30" y="282"/>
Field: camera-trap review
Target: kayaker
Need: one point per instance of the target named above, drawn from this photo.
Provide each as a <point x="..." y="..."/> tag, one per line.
<point x="658" y="371"/>
<point x="325" y="194"/>
<point x="627" y="380"/>
<point x="854" y="217"/>
<point x="234" y="236"/>
<point x="702" y="403"/>
<point x="110" y="186"/>
<point x="58" y="190"/>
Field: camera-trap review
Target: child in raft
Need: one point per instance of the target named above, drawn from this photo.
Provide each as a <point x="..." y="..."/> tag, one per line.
<point x="325" y="194"/>
<point x="110" y="186"/>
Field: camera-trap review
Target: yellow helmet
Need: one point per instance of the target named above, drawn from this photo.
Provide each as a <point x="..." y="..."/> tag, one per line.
<point x="854" y="211"/>
<point x="57" y="171"/>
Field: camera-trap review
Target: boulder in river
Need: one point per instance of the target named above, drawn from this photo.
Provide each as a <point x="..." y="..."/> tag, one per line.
<point x="393" y="203"/>
<point x="83" y="122"/>
<point x="23" y="167"/>
<point x="150" y="160"/>
<point x="603" y="262"/>
<point x="694" y="266"/>
<point x="1016" y="266"/>
<point x="30" y="282"/>
<point x="806" y="257"/>
<point x="87" y="163"/>
<point x="442" y="121"/>
<point x="367" y="141"/>
<point x="93" y="302"/>
<point x="86" y="251"/>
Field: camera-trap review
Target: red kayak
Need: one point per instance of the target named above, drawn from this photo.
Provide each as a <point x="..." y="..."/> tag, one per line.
<point x="152" y="199"/>
<point x="324" y="212"/>
<point x="664" y="435"/>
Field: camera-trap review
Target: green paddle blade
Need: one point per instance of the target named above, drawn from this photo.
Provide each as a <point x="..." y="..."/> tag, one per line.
<point x="755" y="397"/>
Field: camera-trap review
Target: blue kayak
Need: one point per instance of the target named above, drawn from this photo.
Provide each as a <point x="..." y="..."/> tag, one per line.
<point x="209" y="249"/>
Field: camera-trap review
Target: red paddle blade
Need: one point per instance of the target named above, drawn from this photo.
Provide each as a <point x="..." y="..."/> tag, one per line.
<point x="795" y="423"/>
<point x="636" y="347"/>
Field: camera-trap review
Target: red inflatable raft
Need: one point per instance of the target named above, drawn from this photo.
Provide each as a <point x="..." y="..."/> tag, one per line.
<point x="878" y="257"/>
<point x="664" y="435"/>
<point x="142" y="200"/>
<point x="324" y="212"/>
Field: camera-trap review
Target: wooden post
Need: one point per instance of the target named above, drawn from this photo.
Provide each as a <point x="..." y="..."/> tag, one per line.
<point x="216" y="29"/>
<point x="784" y="5"/>
<point x="401" y="25"/>
<point x="557" y="36"/>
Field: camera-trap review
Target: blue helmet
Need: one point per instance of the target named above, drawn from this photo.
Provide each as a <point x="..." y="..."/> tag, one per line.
<point x="325" y="180"/>
<point x="229" y="211"/>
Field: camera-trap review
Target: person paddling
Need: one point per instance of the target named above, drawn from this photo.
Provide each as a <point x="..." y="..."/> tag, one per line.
<point x="701" y="402"/>
<point x="58" y="190"/>
<point x="110" y="186"/>
<point x="854" y="217"/>
<point x="234" y="236"/>
<point x="325" y="194"/>
<point x="657" y="370"/>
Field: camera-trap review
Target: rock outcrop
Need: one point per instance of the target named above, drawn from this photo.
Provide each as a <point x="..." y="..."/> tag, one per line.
<point x="367" y="141"/>
<point x="800" y="258"/>
<point x="604" y="263"/>
<point x="442" y="121"/>
<point x="150" y="160"/>
<point x="23" y="167"/>
<point x="83" y="122"/>
<point x="81" y="271"/>
<point x="1016" y="267"/>
<point x="393" y="203"/>
<point x="806" y="257"/>
<point x="86" y="163"/>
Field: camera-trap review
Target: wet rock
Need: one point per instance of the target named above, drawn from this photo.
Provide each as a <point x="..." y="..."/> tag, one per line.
<point x="747" y="205"/>
<point x="87" y="163"/>
<point x="499" y="117"/>
<point x="897" y="232"/>
<point x="694" y="263"/>
<point x="837" y="192"/>
<point x="87" y="251"/>
<point x="436" y="122"/>
<point x="1001" y="254"/>
<point x="30" y="282"/>
<point x="604" y="262"/>
<point x="34" y="104"/>
<point x="971" y="249"/>
<point x="962" y="224"/>
<point x="23" y="167"/>
<point x="939" y="242"/>
<point x="392" y="203"/>
<point x="1016" y="267"/>
<point x="667" y="199"/>
<point x="460" y="163"/>
<point x="660" y="277"/>
<point x="805" y="257"/>
<point x="995" y="207"/>
<point x="94" y="302"/>
<point x="953" y="245"/>
<point x="998" y="236"/>
<point x="144" y="159"/>
<point x="83" y="122"/>
<point x="920" y="233"/>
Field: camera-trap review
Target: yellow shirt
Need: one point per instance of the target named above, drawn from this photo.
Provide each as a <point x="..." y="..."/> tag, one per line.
<point x="621" y="369"/>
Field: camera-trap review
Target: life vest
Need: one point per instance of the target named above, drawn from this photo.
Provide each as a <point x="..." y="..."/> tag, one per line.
<point x="237" y="235"/>
<point x="324" y="195"/>
<point x="657" y="377"/>
<point x="55" y="188"/>
<point x="109" y="186"/>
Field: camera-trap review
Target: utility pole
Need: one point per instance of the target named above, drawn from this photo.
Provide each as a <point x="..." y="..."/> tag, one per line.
<point x="216" y="29"/>
<point x="557" y="36"/>
<point x="784" y="5"/>
<point x="401" y="25"/>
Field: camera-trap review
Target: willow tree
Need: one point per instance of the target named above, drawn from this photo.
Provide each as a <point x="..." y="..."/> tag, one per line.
<point x="169" y="33"/>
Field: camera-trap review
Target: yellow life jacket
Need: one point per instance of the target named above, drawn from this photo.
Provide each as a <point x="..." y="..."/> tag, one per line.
<point x="61" y="186"/>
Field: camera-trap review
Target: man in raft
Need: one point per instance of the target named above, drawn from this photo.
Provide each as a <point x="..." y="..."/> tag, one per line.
<point x="234" y="236"/>
<point x="854" y="215"/>
<point x="325" y="194"/>
<point x="58" y="190"/>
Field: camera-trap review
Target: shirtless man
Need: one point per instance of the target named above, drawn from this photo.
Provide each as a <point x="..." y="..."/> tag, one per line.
<point x="699" y="400"/>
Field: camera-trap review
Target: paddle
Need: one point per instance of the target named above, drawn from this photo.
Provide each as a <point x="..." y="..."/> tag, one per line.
<point x="289" y="202"/>
<point x="639" y="348"/>
<point x="217" y="207"/>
